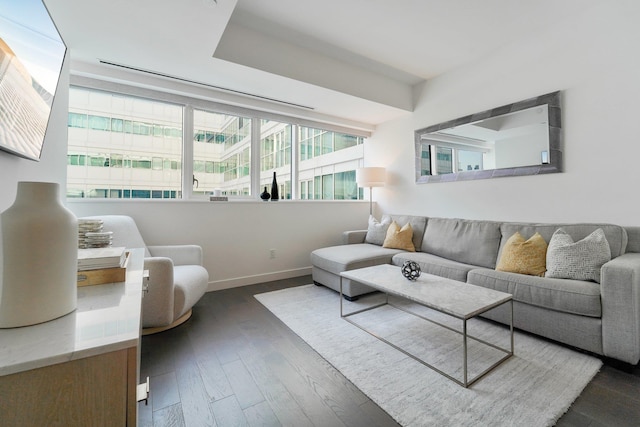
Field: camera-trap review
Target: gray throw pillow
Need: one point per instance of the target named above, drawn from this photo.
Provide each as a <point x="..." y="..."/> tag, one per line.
<point x="377" y="230"/>
<point x="581" y="260"/>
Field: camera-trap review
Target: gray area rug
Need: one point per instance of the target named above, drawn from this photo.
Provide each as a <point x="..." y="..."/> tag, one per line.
<point x="532" y="388"/>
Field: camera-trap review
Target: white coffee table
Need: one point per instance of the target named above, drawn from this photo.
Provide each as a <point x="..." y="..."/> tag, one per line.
<point x="457" y="299"/>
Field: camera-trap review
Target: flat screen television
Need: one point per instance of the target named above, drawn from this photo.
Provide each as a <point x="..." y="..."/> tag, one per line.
<point x="31" y="57"/>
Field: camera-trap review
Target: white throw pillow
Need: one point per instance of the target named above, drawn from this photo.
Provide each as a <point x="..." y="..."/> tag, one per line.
<point x="377" y="230"/>
<point x="581" y="260"/>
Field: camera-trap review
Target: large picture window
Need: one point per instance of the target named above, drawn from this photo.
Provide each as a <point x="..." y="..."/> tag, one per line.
<point x="113" y="150"/>
<point x="126" y="146"/>
<point x="221" y="153"/>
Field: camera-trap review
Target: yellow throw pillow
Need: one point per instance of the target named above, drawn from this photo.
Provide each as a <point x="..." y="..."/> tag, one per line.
<point x="524" y="257"/>
<point x="399" y="238"/>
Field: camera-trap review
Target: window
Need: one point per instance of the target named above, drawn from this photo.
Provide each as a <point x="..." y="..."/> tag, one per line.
<point x="450" y="158"/>
<point x="322" y="151"/>
<point x="124" y="146"/>
<point x="345" y="186"/>
<point x="99" y="123"/>
<point x="77" y="120"/>
<point x="275" y="155"/>
<point x="134" y="141"/>
<point x="469" y="160"/>
<point x="444" y="160"/>
<point x="425" y="159"/>
<point x="221" y="153"/>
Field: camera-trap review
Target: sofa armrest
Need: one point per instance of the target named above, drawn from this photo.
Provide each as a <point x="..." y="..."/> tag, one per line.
<point x="354" y="236"/>
<point x="157" y="304"/>
<point x="179" y="254"/>
<point x="620" y="292"/>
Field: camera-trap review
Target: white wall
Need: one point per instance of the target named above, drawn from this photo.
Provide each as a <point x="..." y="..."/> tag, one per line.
<point x="592" y="57"/>
<point x="522" y="150"/>
<point x="236" y="237"/>
<point x="52" y="166"/>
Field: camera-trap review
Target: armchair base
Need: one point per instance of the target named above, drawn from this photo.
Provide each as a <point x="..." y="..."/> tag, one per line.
<point x="179" y="321"/>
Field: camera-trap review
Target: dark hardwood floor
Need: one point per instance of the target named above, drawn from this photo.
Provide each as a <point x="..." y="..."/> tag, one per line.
<point x="235" y="364"/>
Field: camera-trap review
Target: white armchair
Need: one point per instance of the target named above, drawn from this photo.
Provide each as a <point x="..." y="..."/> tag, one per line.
<point x="177" y="279"/>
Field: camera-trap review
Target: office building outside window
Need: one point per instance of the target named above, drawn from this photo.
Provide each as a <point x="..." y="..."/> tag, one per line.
<point x="123" y="146"/>
<point x="221" y="153"/>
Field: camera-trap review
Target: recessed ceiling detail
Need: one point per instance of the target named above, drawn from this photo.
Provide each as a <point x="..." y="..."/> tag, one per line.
<point x="343" y="59"/>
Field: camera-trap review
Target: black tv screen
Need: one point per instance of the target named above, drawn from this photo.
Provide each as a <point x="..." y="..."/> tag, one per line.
<point x="31" y="56"/>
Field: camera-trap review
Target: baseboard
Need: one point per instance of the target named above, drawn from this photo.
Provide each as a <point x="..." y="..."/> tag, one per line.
<point x="258" y="278"/>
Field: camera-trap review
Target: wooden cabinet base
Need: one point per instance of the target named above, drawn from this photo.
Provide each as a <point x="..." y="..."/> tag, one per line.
<point x="91" y="391"/>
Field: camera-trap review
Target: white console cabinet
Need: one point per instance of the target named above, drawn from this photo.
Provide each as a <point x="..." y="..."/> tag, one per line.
<point x="81" y="369"/>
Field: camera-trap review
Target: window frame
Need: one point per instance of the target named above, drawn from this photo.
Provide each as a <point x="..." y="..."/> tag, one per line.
<point x="256" y="116"/>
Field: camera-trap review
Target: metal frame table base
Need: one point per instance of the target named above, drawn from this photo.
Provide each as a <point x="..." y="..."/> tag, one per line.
<point x="466" y="382"/>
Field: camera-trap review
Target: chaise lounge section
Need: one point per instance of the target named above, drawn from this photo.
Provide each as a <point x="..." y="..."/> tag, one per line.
<point x="602" y="318"/>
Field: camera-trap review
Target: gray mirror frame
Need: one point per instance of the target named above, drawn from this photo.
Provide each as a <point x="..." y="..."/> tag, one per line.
<point x="555" y="142"/>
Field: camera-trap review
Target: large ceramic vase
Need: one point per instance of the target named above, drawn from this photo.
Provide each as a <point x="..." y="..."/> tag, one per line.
<point x="39" y="254"/>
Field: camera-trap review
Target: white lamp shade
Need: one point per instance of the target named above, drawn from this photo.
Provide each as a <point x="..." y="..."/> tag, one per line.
<point x="371" y="177"/>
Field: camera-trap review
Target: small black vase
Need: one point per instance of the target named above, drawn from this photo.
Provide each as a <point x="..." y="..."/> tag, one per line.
<point x="265" y="195"/>
<point x="274" y="189"/>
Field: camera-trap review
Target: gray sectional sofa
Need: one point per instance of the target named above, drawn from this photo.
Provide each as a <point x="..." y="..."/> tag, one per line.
<point x="602" y="318"/>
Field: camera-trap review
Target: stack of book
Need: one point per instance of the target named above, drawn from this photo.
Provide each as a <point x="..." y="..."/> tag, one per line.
<point x="101" y="265"/>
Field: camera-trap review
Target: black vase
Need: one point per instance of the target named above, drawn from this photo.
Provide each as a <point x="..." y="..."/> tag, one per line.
<point x="274" y="189"/>
<point x="265" y="195"/>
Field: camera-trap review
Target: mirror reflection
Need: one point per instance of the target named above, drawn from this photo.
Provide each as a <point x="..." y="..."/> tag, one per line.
<point x="517" y="139"/>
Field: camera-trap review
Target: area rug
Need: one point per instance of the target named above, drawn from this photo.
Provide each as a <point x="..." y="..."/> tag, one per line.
<point x="532" y="388"/>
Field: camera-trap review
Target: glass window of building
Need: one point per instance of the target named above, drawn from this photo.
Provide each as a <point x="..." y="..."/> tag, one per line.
<point x="113" y="150"/>
<point x="222" y="153"/>
<point x="124" y="146"/>
<point x="275" y="156"/>
<point x="327" y="164"/>
<point x="444" y="160"/>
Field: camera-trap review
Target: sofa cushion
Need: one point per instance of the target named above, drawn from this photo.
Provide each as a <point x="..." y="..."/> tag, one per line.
<point x="581" y="260"/>
<point x="399" y="238"/>
<point x="466" y="241"/>
<point x="434" y="264"/>
<point x="633" y="243"/>
<point x="418" y="224"/>
<point x="524" y="256"/>
<point x="377" y="230"/>
<point x="337" y="259"/>
<point x="616" y="235"/>
<point x="565" y="295"/>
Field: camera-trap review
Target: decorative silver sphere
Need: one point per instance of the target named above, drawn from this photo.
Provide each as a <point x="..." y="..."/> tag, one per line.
<point x="410" y="270"/>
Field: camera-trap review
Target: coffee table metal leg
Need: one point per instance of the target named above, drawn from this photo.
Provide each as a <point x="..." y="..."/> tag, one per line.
<point x="464" y="339"/>
<point x="511" y="326"/>
<point x="341" y="315"/>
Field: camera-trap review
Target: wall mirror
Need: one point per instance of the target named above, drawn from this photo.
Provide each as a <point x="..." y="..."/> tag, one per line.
<point x="518" y="139"/>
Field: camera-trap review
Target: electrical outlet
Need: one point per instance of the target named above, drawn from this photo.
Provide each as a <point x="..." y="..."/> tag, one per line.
<point x="272" y="253"/>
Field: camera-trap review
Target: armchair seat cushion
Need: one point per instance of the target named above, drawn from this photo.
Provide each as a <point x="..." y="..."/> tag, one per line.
<point x="190" y="283"/>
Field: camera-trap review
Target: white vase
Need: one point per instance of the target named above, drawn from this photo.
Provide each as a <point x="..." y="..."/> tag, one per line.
<point x="39" y="250"/>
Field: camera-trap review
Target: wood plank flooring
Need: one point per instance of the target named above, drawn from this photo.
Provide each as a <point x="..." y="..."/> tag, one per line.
<point x="235" y="364"/>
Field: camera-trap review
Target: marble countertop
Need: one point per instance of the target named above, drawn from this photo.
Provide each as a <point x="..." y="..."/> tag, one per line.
<point x="107" y="319"/>
<point x="458" y="299"/>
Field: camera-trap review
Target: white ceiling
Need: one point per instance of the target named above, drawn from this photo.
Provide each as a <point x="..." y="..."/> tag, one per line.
<point x="355" y="59"/>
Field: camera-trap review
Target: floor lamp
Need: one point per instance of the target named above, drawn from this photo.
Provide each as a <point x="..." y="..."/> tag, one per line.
<point x="370" y="177"/>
